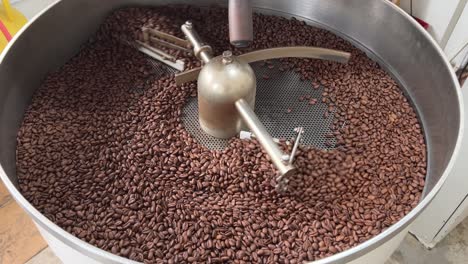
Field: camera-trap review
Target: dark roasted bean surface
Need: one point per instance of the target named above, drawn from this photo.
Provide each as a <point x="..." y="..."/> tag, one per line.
<point x="103" y="153"/>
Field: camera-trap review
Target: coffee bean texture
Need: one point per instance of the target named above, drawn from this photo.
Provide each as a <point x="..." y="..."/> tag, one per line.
<point x="103" y="153"/>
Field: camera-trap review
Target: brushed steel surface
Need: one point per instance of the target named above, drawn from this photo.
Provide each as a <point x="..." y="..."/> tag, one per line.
<point x="220" y="85"/>
<point x="378" y="27"/>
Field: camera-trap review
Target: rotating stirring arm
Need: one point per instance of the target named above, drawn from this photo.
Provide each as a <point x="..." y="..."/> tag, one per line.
<point x="204" y="53"/>
<point x="254" y="124"/>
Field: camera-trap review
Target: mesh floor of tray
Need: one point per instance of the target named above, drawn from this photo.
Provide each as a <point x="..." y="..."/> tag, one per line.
<point x="279" y="108"/>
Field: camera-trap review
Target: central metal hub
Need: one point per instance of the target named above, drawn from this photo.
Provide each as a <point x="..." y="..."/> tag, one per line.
<point x="222" y="82"/>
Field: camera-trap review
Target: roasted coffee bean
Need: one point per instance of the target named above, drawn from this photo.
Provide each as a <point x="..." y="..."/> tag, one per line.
<point x="102" y="152"/>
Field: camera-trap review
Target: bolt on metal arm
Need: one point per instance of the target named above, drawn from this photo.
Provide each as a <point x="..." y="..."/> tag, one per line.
<point x="201" y="50"/>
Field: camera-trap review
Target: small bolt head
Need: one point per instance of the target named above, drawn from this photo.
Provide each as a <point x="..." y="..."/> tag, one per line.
<point x="227" y="57"/>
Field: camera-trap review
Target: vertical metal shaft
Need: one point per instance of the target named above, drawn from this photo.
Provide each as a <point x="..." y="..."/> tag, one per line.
<point x="254" y="124"/>
<point x="240" y="23"/>
<point x="299" y="131"/>
<point x="202" y="51"/>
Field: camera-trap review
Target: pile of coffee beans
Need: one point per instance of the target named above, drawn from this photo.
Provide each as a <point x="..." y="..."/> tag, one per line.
<point x="102" y="152"/>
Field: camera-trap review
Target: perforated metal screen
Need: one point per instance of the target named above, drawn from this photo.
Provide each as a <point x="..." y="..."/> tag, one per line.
<point x="279" y="107"/>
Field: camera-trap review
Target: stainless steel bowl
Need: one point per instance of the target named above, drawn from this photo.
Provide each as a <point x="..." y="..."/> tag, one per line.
<point x="386" y="33"/>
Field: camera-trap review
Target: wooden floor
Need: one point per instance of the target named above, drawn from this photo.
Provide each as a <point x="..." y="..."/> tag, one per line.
<point x="19" y="239"/>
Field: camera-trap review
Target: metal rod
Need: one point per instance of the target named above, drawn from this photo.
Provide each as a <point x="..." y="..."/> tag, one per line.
<point x="454" y="21"/>
<point x="250" y="135"/>
<point x="299" y="131"/>
<point x="240" y="23"/>
<point x="161" y="53"/>
<point x="264" y="138"/>
<point x="168" y="44"/>
<point x="158" y="55"/>
<point x="276" y="53"/>
<point x="168" y="37"/>
<point x="201" y="51"/>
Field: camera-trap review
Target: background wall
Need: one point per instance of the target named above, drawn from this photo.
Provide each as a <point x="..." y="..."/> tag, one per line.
<point x="448" y="21"/>
<point x="459" y="39"/>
